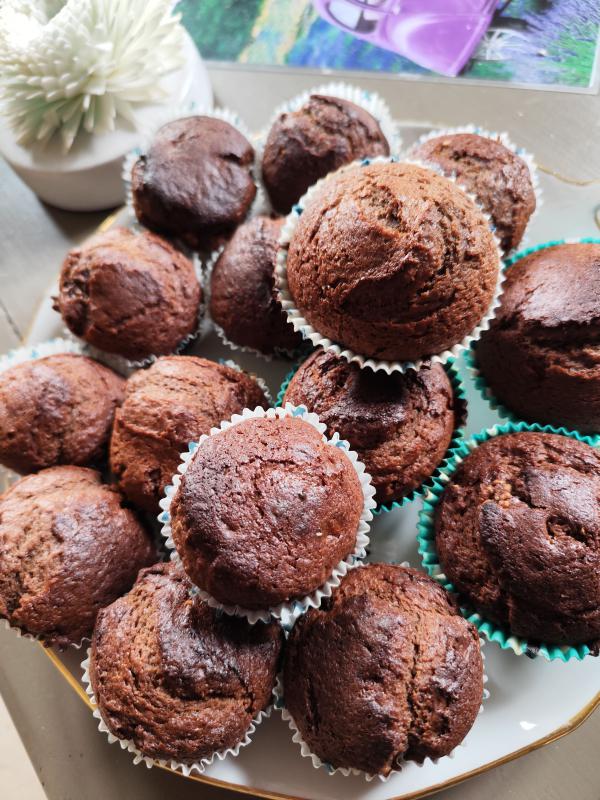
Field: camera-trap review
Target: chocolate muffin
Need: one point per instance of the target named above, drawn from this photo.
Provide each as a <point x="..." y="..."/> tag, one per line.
<point x="243" y="300"/>
<point x="392" y="261"/>
<point x="68" y="548"/>
<point x="167" y="406"/>
<point x="265" y="511"/>
<point x="498" y="177"/>
<point x="56" y="410"/>
<point x="195" y="182"/>
<point x="400" y="424"/>
<point x="541" y="357"/>
<point x="179" y="680"/>
<point x="129" y="293"/>
<point x="386" y="670"/>
<point x="304" y="145"/>
<point x="518" y="534"/>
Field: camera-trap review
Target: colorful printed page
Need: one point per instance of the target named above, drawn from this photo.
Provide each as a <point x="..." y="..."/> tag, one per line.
<point x="534" y="43"/>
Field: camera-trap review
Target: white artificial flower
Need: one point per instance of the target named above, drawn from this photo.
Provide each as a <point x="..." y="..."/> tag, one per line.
<point x="68" y="65"/>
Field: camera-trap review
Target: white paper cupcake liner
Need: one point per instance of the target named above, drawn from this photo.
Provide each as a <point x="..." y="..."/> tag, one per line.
<point x="147" y="134"/>
<point x="286" y="612"/>
<point x="177" y="766"/>
<point x="39" y="638"/>
<point x="300" y="322"/>
<point x="207" y="268"/>
<point x="504" y="139"/>
<point x="317" y="763"/>
<point x="371" y="102"/>
<point x="32" y="352"/>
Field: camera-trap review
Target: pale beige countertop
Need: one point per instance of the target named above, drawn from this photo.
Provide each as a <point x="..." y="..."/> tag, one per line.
<point x="71" y="760"/>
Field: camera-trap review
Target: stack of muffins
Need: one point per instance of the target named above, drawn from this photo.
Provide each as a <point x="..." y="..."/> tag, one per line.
<point x="321" y="243"/>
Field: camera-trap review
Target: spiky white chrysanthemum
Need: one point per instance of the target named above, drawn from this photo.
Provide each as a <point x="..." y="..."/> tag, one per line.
<point x="67" y="65"/>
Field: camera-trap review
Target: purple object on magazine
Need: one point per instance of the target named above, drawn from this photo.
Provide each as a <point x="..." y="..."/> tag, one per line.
<point x="440" y="35"/>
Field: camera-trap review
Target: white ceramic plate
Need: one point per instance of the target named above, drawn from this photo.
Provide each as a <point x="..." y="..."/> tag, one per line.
<point x="532" y="702"/>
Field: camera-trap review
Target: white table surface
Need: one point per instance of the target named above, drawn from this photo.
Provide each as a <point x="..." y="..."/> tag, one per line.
<point x="49" y="746"/>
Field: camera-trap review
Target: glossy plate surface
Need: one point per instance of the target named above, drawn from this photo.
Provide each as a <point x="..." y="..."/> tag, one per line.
<point x="531" y="703"/>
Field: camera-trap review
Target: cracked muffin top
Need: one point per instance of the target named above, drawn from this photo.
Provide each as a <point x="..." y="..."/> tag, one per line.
<point x="265" y="511"/>
<point x="518" y="534"/>
<point x="541" y="356"/>
<point x="129" y="293"/>
<point x="499" y="179"/>
<point x="176" y="677"/>
<point x="386" y="670"/>
<point x="305" y="145"/>
<point x="400" y="424"/>
<point x="68" y="548"/>
<point x="56" y="410"/>
<point x="243" y="300"/>
<point x="195" y="182"/>
<point x="392" y="261"/>
<point x="166" y="406"/>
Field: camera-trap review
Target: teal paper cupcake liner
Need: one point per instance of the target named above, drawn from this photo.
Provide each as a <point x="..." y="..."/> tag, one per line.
<point x="457" y="435"/>
<point x="429" y="556"/>
<point x="470" y="355"/>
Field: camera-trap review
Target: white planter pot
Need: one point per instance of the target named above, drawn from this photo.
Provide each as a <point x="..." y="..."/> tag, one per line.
<point x="88" y="178"/>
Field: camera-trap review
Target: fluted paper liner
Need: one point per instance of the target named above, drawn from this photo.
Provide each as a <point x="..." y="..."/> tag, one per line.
<point x="430" y="561"/>
<point x="300" y="322"/>
<point x="289" y="611"/>
<point x="177" y="766"/>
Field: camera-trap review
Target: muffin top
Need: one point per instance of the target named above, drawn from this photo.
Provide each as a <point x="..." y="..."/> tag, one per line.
<point x="265" y="511"/>
<point x="392" y="261"/>
<point x="304" y="145"/>
<point x="243" y="301"/>
<point x="167" y="406"/>
<point x="169" y="673"/>
<point x="518" y="534"/>
<point x="541" y="354"/>
<point x="129" y="293"/>
<point x="387" y="669"/>
<point x="67" y="549"/>
<point x="498" y="177"/>
<point x="56" y="410"/>
<point x="400" y="424"/>
<point x="195" y="182"/>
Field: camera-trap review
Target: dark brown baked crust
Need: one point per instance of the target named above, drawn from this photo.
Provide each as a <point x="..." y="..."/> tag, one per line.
<point x="541" y="357"/>
<point x="129" y="293"/>
<point x="180" y="680"/>
<point x="167" y="406"/>
<point x="392" y="261"/>
<point x="195" y="182"/>
<point x="265" y="511"/>
<point x="387" y="669"/>
<point x="56" y="410"/>
<point x="400" y="425"/>
<point x="243" y="300"/>
<point x="305" y="145"/>
<point x="499" y="178"/>
<point x="67" y="549"/>
<point x="518" y="534"/>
